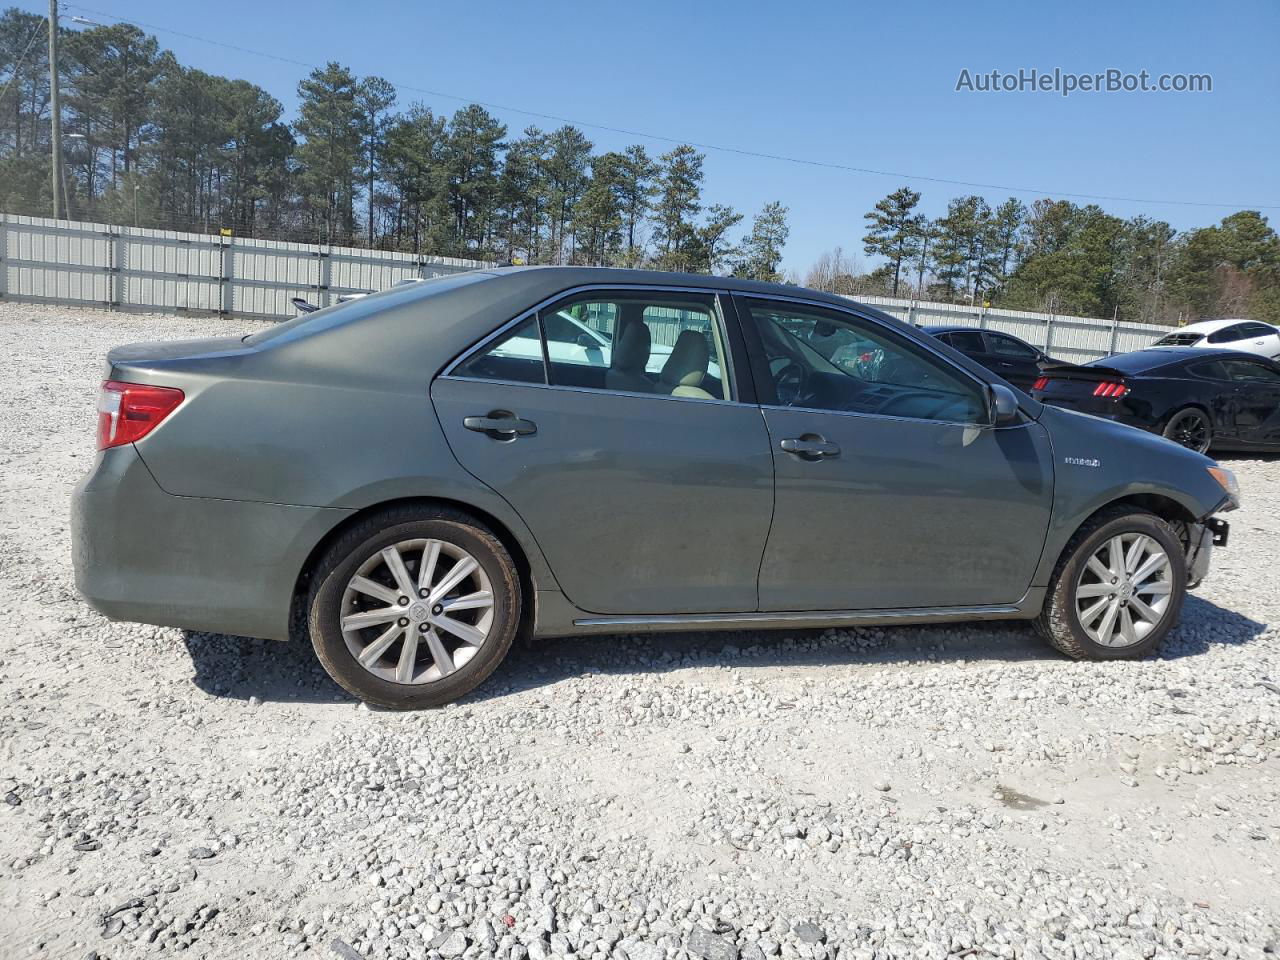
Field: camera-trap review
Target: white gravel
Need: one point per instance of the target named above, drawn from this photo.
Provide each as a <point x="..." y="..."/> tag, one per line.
<point x="914" y="792"/>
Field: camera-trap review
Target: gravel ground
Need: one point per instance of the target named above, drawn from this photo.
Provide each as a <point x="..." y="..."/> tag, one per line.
<point x="910" y="792"/>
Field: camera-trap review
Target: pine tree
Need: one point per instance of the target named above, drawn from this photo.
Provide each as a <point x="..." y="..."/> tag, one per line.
<point x="374" y="97"/>
<point x="472" y="163"/>
<point x="597" y="216"/>
<point x="636" y="189"/>
<point x="762" y="249"/>
<point x="329" y="157"/>
<point x="679" y="201"/>
<point x="893" y="230"/>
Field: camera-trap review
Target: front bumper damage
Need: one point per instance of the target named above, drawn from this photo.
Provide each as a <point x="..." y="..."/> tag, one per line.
<point x="1200" y="539"/>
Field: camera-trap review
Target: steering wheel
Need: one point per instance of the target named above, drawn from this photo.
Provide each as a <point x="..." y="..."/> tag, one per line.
<point x="905" y="398"/>
<point x="791" y="381"/>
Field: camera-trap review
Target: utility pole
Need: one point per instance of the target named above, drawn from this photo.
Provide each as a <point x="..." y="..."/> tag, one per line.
<point x="55" y="109"/>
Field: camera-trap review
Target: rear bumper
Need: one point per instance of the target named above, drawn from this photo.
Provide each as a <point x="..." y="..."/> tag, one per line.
<point x="222" y="566"/>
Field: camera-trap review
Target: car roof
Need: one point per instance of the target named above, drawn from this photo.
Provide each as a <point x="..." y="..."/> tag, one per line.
<point x="566" y="277"/>
<point x="1140" y="361"/>
<point x="1209" y="326"/>
<point x="934" y="329"/>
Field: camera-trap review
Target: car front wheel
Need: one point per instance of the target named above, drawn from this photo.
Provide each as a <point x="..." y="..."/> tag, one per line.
<point x="413" y="608"/>
<point x="1118" y="588"/>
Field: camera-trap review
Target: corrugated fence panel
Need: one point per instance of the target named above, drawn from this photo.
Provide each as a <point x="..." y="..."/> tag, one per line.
<point x="1064" y="337"/>
<point x="128" y="268"/>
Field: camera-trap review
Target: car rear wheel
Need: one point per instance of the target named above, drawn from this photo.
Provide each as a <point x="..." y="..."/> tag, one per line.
<point x="1190" y="427"/>
<point x="1118" y="588"/>
<point x="414" y="608"/>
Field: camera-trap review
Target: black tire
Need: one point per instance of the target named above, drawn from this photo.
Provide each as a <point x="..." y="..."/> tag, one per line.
<point x="362" y="541"/>
<point x="1190" y="427"/>
<point x="1058" y="622"/>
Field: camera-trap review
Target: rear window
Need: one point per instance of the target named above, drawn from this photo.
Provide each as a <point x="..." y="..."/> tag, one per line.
<point x="1140" y="361"/>
<point x="1179" y="340"/>
<point x="338" y="314"/>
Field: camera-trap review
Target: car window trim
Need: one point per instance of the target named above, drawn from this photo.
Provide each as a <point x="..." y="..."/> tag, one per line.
<point x="748" y="322"/>
<point x="742" y="391"/>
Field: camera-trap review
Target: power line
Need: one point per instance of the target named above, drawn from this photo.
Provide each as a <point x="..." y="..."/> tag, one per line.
<point x="719" y="148"/>
<point x="23" y="58"/>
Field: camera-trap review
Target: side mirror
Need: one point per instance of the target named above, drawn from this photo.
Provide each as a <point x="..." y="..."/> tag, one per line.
<point x="1003" y="404"/>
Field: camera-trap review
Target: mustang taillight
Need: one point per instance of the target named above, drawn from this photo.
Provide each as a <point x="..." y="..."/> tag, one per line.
<point x="1040" y="383"/>
<point x="1109" y="388"/>
<point x="129" y="411"/>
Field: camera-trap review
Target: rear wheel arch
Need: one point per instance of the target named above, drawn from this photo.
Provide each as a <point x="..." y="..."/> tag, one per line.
<point x="482" y="518"/>
<point x="1193" y="405"/>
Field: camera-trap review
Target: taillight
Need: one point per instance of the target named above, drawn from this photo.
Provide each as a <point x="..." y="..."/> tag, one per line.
<point x="1109" y="388"/>
<point x="129" y="411"/>
<point x="1040" y="383"/>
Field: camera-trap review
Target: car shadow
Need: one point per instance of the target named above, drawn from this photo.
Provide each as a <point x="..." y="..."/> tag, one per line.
<point x="239" y="668"/>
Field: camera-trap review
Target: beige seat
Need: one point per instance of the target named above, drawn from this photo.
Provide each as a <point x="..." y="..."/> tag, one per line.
<point x="630" y="355"/>
<point x="686" y="368"/>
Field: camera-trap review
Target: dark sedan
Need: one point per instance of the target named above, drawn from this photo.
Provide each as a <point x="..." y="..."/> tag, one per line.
<point x="1015" y="360"/>
<point x="1200" y="398"/>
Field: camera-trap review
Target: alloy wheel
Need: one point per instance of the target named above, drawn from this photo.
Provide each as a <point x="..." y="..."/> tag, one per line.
<point x="417" y="611"/>
<point x="1124" y="590"/>
<point x="1191" y="429"/>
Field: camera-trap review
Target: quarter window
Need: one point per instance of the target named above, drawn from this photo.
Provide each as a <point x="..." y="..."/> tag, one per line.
<point x="516" y="356"/>
<point x="1246" y="370"/>
<point x="829" y="360"/>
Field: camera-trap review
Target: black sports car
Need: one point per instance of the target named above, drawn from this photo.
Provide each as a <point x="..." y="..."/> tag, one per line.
<point x="1015" y="360"/>
<point x="1200" y="398"/>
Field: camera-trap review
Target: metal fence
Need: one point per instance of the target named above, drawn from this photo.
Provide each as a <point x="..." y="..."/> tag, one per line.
<point x="128" y="268"/>
<point x="1062" y="337"/>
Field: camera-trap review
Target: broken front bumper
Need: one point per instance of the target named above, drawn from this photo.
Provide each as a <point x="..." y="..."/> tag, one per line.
<point x="1201" y="539"/>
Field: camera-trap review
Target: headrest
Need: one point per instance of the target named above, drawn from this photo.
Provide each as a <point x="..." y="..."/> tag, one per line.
<point x="631" y="350"/>
<point x="687" y="364"/>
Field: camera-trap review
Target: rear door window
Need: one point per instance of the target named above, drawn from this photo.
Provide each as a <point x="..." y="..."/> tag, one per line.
<point x="1007" y="346"/>
<point x="966" y="342"/>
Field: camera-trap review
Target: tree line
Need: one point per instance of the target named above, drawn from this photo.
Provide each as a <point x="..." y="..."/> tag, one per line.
<point x="1055" y="256"/>
<point x="152" y="142"/>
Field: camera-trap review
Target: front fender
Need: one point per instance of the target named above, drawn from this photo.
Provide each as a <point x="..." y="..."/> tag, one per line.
<point x="1098" y="462"/>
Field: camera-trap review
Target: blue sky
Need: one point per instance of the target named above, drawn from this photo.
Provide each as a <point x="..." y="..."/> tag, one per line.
<point x="862" y="84"/>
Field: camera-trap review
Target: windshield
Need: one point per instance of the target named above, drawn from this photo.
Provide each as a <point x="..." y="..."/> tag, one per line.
<point x="338" y="313"/>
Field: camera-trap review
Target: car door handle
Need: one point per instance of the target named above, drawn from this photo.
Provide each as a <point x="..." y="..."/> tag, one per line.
<point x="501" y="425"/>
<point x="810" y="447"/>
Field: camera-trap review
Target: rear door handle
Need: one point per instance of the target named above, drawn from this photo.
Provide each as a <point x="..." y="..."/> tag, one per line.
<point x="501" y="425"/>
<point x="810" y="447"/>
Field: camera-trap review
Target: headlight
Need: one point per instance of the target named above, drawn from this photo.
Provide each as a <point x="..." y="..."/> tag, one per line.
<point x="1227" y="480"/>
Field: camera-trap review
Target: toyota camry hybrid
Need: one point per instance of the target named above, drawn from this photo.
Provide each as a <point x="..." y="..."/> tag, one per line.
<point x="414" y="477"/>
